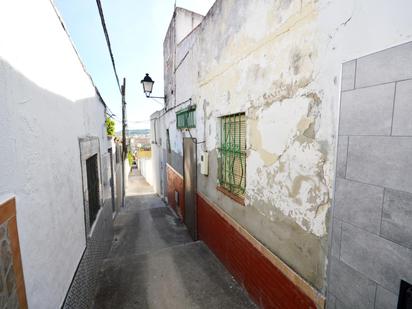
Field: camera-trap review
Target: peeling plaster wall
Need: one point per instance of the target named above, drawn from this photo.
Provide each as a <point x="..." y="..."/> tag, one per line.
<point x="180" y="37"/>
<point x="280" y="63"/>
<point x="47" y="102"/>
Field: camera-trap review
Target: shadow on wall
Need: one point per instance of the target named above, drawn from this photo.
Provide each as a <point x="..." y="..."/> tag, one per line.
<point x="40" y="163"/>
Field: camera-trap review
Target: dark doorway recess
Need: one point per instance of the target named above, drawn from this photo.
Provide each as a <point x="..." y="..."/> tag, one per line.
<point x="405" y="296"/>
<point x="112" y="180"/>
<point x="93" y="187"/>
<point x="189" y="181"/>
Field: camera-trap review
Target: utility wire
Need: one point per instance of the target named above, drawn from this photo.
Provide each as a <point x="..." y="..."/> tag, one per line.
<point x="139" y="121"/>
<point x="109" y="46"/>
<point x="111" y="114"/>
<point x="157" y="101"/>
<point x="99" y="6"/>
<point x="110" y="111"/>
<point x="165" y="111"/>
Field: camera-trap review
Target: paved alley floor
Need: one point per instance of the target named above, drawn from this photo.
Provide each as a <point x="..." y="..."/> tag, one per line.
<point x="153" y="263"/>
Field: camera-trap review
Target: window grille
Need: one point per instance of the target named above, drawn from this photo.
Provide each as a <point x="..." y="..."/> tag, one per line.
<point x="186" y="118"/>
<point x="232" y="171"/>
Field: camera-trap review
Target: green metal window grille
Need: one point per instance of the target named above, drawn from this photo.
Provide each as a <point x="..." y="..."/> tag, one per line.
<point x="232" y="171"/>
<point x="186" y="118"/>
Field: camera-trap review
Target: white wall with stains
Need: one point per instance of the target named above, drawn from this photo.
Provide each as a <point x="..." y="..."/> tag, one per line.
<point x="280" y="63"/>
<point x="47" y="102"/>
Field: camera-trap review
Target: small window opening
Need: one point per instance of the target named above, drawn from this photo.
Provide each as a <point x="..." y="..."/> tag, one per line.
<point x="186" y="118"/>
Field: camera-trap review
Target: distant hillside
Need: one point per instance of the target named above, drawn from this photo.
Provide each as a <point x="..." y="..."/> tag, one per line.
<point x="135" y="132"/>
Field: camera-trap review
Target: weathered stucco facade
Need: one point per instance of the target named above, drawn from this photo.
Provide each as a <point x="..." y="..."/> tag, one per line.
<point x="280" y="63"/>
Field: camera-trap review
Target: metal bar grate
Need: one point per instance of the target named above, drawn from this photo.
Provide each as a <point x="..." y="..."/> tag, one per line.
<point x="232" y="149"/>
<point x="185" y="119"/>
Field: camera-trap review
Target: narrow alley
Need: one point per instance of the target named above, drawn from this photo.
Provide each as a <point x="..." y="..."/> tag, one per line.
<point x="205" y="154"/>
<point x="153" y="263"/>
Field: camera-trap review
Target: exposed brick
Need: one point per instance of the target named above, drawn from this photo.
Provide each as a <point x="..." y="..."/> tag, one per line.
<point x="264" y="282"/>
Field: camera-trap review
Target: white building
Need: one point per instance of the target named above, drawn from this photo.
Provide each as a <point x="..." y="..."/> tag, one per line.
<point x="261" y="90"/>
<point x="54" y="159"/>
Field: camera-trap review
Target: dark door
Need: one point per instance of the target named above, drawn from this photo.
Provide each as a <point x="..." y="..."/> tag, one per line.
<point x="93" y="188"/>
<point x="189" y="181"/>
<point x="112" y="179"/>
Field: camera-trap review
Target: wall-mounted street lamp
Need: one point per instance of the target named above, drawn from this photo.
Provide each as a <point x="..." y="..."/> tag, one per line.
<point x="147" y="83"/>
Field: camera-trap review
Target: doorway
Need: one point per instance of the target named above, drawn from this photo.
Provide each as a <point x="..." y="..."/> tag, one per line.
<point x="189" y="183"/>
<point x="93" y="188"/>
<point x="111" y="180"/>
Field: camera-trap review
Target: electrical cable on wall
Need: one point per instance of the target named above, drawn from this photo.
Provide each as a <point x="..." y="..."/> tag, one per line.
<point x="193" y="139"/>
<point x="165" y="111"/>
<point x="172" y="108"/>
<point x="188" y="129"/>
<point x="110" y="114"/>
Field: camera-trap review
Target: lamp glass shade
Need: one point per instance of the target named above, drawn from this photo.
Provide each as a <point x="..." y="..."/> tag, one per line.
<point x="147" y="83"/>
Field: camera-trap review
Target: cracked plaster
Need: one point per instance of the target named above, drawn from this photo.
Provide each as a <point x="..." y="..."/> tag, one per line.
<point x="286" y="79"/>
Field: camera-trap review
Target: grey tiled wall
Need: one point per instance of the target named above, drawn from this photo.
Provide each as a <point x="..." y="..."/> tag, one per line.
<point x="372" y="215"/>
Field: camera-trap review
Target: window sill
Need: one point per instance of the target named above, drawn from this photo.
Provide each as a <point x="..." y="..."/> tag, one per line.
<point x="237" y="199"/>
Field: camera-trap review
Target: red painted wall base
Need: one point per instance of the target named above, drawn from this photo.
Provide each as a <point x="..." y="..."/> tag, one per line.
<point x="175" y="183"/>
<point x="265" y="283"/>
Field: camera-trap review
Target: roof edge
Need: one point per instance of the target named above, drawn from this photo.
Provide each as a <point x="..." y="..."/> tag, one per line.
<point x="77" y="53"/>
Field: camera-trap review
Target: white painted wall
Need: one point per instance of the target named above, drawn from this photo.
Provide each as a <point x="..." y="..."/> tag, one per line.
<point x="146" y="168"/>
<point x="156" y="151"/>
<point x="47" y="102"/>
<point x="186" y="21"/>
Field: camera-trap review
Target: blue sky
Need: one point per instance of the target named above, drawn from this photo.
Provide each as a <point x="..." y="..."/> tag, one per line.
<point x="136" y="29"/>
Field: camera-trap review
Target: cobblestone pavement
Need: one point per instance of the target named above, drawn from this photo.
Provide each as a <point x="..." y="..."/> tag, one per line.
<point x="153" y="263"/>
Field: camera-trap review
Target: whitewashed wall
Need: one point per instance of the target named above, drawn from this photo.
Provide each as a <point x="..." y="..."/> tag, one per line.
<point x="47" y="102"/>
<point x="156" y="151"/>
<point x="186" y="21"/>
<point x="146" y="168"/>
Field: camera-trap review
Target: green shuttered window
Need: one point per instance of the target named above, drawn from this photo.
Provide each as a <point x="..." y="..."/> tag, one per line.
<point x="186" y="118"/>
<point x="232" y="170"/>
